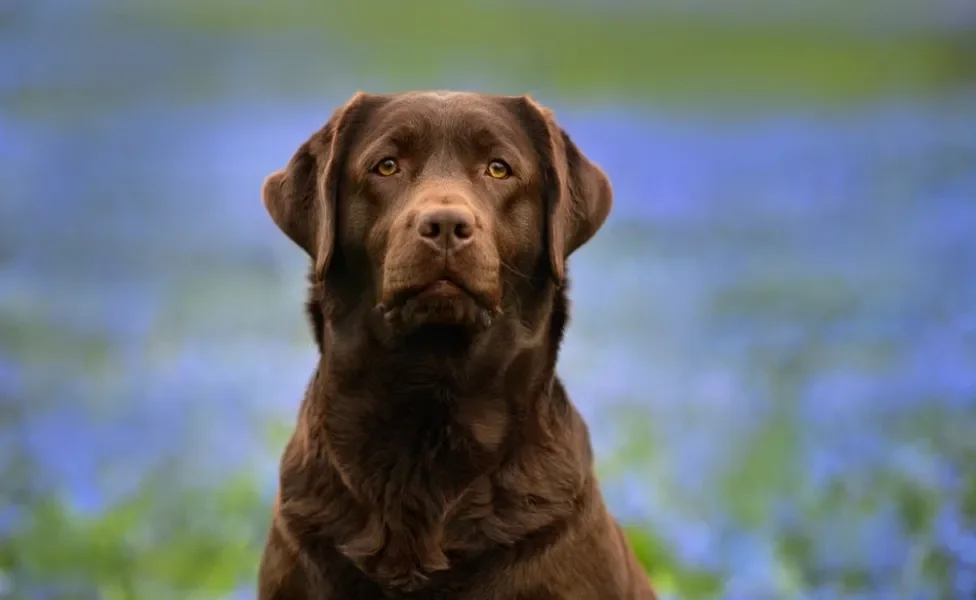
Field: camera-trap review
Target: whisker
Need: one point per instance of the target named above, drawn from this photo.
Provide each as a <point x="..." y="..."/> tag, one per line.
<point x="514" y="271"/>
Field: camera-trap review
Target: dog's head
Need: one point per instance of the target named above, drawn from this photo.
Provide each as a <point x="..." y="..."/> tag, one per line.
<point x="438" y="209"/>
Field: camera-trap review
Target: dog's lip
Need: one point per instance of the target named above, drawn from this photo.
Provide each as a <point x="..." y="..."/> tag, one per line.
<point x="441" y="288"/>
<point x="445" y="286"/>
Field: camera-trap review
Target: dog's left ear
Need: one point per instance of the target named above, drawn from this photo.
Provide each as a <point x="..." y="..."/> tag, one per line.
<point x="577" y="192"/>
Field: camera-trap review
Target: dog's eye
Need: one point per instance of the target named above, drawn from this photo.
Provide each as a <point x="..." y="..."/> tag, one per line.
<point x="498" y="169"/>
<point x="386" y="167"/>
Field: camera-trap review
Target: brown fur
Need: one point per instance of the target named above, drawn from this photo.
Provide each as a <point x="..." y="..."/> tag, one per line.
<point x="437" y="455"/>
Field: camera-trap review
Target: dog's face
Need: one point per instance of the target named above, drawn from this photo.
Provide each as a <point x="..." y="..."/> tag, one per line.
<point x="439" y="208"/>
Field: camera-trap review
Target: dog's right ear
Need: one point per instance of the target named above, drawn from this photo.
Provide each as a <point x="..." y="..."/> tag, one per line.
<point x="301" y="198"/>
<point x="577" y="192"/>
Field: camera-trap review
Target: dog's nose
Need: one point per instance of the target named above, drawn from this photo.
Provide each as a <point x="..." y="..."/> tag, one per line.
<point x="446" y="227"/>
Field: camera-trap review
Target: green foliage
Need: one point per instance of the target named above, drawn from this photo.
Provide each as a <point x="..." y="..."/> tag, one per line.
<point x="158" y="543"/>
<point x="668" y="574"/>
<point x="656" y="55"/>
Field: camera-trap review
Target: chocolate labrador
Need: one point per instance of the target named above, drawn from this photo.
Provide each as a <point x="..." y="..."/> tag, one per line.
<point x="437" y="454"/>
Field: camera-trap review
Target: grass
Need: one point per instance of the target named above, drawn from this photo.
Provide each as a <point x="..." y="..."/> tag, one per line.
<point x="588" y="55"/>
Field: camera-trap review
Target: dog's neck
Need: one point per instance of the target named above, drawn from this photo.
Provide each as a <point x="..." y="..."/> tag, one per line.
<point x="410" y="430"/>
<point x="436" y="383"/>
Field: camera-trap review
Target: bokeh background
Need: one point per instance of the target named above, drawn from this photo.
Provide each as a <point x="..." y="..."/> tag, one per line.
<point x="774" y="337"/>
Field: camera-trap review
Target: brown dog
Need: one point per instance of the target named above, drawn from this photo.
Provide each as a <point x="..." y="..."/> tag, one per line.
<point x="437" y="455"/>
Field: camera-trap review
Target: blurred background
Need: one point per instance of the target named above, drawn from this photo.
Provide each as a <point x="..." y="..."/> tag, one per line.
<point x="774" y="337"/>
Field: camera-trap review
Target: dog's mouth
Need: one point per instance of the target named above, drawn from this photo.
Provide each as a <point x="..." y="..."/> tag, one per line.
<point x="446" y="300"/>
<point x="442" y="288"/>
